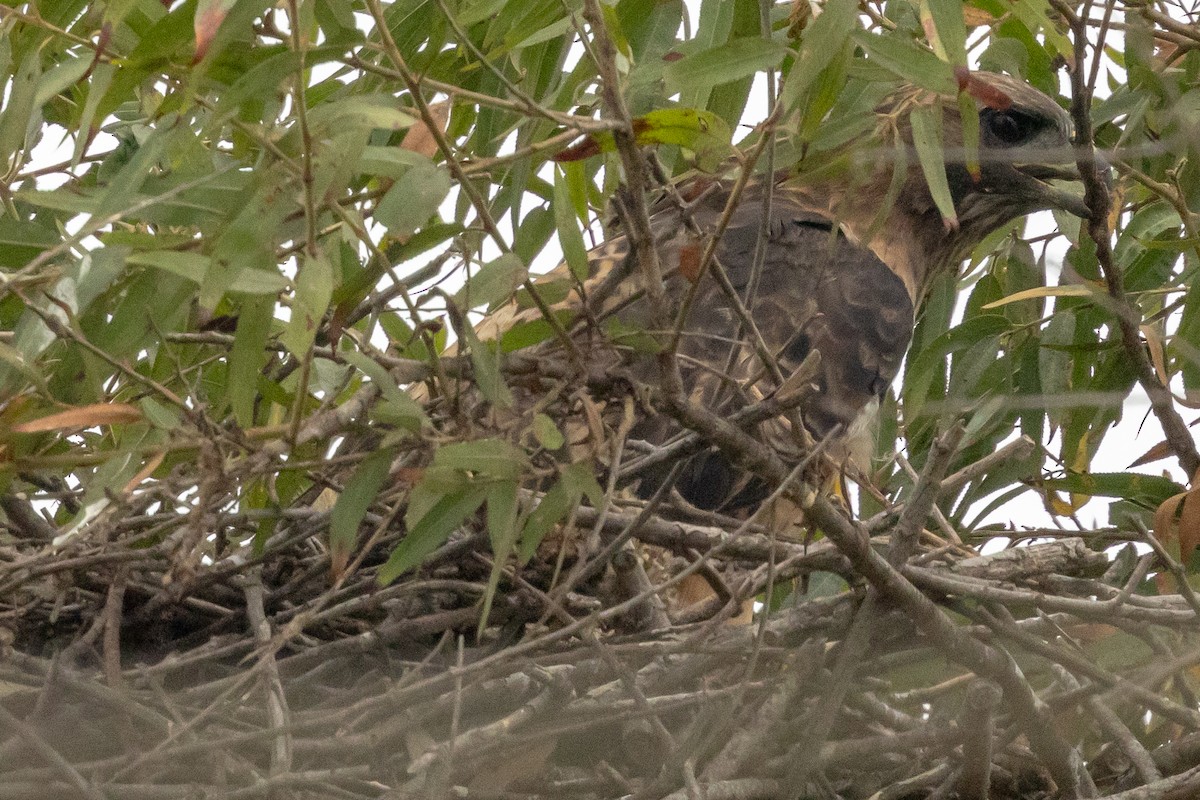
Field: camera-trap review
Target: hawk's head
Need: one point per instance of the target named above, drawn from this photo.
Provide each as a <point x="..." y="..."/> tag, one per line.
<point x="1025" y="141"/>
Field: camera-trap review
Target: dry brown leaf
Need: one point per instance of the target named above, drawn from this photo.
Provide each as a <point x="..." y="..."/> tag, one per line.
<point x="1185" y="506"/>
<point x="87" y="416"/>
<point x="977" y="17"/>
<point x="1089" y="632"/>
<point x="1160" y="450"/>
<point x="1157" y="355"/>
<point x="689" y="262"/>
<point x="1189" y="525"/>
<point x="1164" y="531"/>
<point x="419" y="139"/>
<point x="145" y="472"/>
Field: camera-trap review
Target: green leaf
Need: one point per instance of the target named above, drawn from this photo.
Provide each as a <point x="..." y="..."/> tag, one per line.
<point x="247" y="357"/>
<point x="360" y="491"/>
<point x="402" y="405"/>
<point x="968" y="117"/>
<point x="945" y="29"/>
<point x="714" y="29"/>
<point x="527" y="334"/>
<point x="314" y="288"/>
<point x="60" y="78"/>
<point x="485" y="360"/>
<point x="18" y="117"/>
<point x="546" y="432"/>
<point x="551" y="509"/>
<point x="13" y="363"/>
<point x="492" y="283"/>
<point x="493" y="459"/>
<point x="193" y="266"/>
<point x="1150" y="490"/>
<point x="431" y="531"/>
<point x="502" y="512"/>
<point x="570" y="238"/>
<point x="822" y="42"/>
<point x="414" y="199"/>
<point x="927" y="138"/>
<point x="21" y="241"/>
<point x="390" y="162"/>
<point x="255" y="84"/>
<point x="904" y="58"/>
<point x="160" y="415"/>
<point x="1143" y="227"/>
<point x="580" y="480"/>
<point x="1032" y="15"/>
<point x="702" y="132"/>
<point x="372" y="111"/>
<point x="723" y="64"/>
<point x="121" y="192"/>
<point x="258" y="281"/>
<point x="928" y="362"/>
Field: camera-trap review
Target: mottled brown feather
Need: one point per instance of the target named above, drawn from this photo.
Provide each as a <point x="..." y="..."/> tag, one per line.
<point x="821" y="287"/>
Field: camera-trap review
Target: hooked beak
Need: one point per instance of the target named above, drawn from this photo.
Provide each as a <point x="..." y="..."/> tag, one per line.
<point x="1052" y="196"/>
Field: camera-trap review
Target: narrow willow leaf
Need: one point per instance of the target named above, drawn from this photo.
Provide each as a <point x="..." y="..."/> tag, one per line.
<point x="17" y="115"/>
<point x="903" y="57"/>
<point x="359" y="493"/>
<point x="502" y="513"/>
<point x="927" y="138"/>
<point x="485" y="359"/>
<point x="493" y="282"/>
<point x="702" y="132"/>
<point x="723" y="64"/>
<point x="402" y="404"/>
<point x="1149" y="489"/>
<point x="945" y="29"/>
<point x="413" y="199"/>
<point x="570" y="238"/>
<point x="488" y="458"/>
<point x="1043" y="291"/>
<point x="314" y="289"/>
<point x="247" y="357"/>
<point x="822" y="41"/>
<point x="432" y="531"/>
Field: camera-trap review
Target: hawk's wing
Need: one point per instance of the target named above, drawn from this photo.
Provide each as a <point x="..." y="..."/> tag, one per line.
<point x="814" y="290"/>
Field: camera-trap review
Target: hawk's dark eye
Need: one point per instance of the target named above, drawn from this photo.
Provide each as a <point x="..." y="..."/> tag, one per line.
<point x="1009" y="127"/>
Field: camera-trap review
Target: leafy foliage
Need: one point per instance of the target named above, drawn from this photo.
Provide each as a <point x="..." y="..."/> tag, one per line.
<point x="246" y="249"/>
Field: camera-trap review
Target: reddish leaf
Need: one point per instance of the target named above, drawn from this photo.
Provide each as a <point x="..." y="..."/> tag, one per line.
<point x="689" y="262"/>
<point x="1160" y="450"/>
<point x="981" y="90"/>
<point x="589" y="146"/>
<point x="702" y="132"/>
<point x="1185" y="529"/>
<point x="209" y="16"/>
<point x="693" y="189"/>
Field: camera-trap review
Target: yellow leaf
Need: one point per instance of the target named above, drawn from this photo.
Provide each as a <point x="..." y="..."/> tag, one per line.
<point x="1041" y="291"/>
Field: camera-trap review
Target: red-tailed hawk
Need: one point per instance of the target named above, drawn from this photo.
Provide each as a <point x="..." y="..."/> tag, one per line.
<point x="834" y="267"/>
